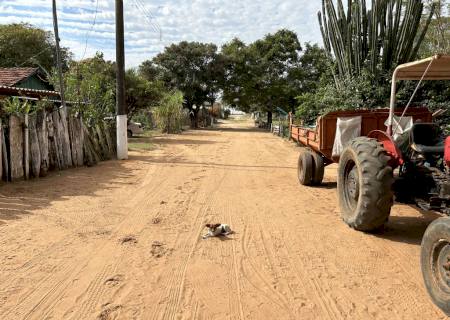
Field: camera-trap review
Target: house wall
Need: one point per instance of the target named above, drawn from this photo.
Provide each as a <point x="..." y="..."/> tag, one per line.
<point x="34" y="82"/>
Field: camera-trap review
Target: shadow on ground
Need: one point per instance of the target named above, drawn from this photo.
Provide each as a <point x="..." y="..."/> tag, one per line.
<point x="181" y="141"/>
<point x="179" y="161"/>
<point x="408" y="229"/>
<point x="228" y="129"/>
<point x="20" y="199"/>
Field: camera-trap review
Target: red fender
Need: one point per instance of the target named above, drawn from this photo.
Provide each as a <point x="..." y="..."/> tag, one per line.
<point x="447" y="151"/>
<point x="390" y="146"/>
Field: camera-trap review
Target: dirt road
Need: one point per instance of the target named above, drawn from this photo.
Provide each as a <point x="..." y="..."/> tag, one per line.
<point x="123" y="240"/>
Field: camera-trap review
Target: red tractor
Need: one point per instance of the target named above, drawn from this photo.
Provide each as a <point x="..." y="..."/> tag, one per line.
<point x="384" y="161"/>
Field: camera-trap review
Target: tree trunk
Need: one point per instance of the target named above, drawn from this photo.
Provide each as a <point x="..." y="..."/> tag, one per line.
<point x="192" y="117"/>
<point x="269" y="117"/>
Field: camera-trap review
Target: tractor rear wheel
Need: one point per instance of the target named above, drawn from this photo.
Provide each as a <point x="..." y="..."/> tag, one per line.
<point x="305" y="167"/>
<point x="435" y="262"/>
<point x="365" y="184"/>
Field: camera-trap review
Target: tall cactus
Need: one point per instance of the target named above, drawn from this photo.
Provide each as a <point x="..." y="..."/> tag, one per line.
<point x="377" y="39"/>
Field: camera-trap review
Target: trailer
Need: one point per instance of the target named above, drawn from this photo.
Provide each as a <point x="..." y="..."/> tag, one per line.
<point x="384" y="155"/>
<point x="320" y="139"/>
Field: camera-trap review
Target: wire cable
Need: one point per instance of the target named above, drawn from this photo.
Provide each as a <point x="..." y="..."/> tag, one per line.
<point x="89" y="31"/>
<point x="141" y="8"/>
<point x="36" y="55"/>
<point x="149" y="14"/>
<point x="149" y="17"/>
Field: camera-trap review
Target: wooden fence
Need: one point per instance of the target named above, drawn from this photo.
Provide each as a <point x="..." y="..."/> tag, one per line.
<point x="32" y="145"/>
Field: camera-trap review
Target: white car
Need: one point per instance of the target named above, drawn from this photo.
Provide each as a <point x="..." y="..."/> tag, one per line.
<point x="134" y="128"/>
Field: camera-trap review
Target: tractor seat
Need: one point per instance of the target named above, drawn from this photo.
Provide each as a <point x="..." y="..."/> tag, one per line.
<point x="426" y="138"/>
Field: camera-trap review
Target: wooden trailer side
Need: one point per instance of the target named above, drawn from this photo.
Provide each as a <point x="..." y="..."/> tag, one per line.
<point x="321" y="138"/>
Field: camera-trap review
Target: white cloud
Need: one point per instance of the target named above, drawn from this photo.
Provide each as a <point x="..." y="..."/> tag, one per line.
<point x="216" y="21"/>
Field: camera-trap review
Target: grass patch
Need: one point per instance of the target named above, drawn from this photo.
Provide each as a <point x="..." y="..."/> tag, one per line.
<point x="142" y="142"/>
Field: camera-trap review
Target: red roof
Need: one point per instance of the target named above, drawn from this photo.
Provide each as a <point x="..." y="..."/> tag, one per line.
<point x="25" y="92"/>
<point x="11" y="76"/>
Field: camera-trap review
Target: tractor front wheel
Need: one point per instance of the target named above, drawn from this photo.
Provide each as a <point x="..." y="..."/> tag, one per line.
<point x="364" y="185"/>
<point x="435" y="262"/>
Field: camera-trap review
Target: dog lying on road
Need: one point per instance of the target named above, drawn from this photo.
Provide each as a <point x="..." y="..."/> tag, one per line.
<point x="216" y="230"/>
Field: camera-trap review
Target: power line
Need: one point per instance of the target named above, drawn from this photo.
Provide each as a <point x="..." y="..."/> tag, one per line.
<point x="149" y="13"/>
<point x="141" y="7"/>
<point x="89" y="31"/>
<point x="149" y="17"/>
<point x="36" y="55"/>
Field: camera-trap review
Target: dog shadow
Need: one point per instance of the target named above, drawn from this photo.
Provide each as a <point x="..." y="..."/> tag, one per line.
<point x="222" y="237"/>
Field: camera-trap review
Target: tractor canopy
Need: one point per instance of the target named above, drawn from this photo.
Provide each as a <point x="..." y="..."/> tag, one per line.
<point x="438" y="69"/>
<point x="433" y="68"/>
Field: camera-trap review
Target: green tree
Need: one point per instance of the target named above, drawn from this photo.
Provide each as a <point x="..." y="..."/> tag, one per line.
<point x="263" y="75"/>
<point x="314" y="68"/>
<point x="238" y="87"/>
<point x="437" y="39"/>
<point x="91" y="84"/>
<point x="150" y="71"/>
<point x="275" y="57"/>
<point x="140" y="93"/>
<point x="22" y="45"/>
<point x="190" y="67"/>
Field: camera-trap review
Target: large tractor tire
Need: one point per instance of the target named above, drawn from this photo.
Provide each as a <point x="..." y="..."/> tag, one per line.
<point x="435" y="262"/>
<point x="319" y="168"/>
<point x="365" y="185"/>
<point x="305" y="167"/>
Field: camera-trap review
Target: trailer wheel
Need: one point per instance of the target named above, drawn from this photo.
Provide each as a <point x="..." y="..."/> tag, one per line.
<point x="435" y="262"/>
<point x="319" y="168"/>
<point x="305" y="167"/>
<point x="365" y="184"/>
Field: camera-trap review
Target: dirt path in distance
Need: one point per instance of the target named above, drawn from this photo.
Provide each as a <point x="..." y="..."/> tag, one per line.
<point x="122" y="240"/>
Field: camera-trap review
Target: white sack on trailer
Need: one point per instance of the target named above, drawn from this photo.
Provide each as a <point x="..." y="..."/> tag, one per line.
<point x="347" y="128"/>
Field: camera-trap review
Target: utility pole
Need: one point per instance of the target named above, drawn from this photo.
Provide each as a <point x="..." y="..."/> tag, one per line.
<point x="58" y="58"/>
<point x="121" y="107"/>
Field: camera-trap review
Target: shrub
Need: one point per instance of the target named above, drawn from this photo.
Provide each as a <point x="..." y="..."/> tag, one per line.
<point x="169" y="114"/>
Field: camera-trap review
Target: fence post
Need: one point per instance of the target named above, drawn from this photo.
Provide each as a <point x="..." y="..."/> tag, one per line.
<point x="26" y="148"/>
<point x="5" y="156"/>
<point x="1" y="149"/>
<point x="290" y="125"/>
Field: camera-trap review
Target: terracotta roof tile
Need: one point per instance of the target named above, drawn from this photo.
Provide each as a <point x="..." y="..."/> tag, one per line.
<point x="11" y="76"/>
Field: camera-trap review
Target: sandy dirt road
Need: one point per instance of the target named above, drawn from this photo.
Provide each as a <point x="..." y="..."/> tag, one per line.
<point x="122" y="240"/>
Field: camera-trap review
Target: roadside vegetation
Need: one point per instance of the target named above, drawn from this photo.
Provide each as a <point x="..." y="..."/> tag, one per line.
<point x="142" y="143"/>
<point x="362" y="46"/>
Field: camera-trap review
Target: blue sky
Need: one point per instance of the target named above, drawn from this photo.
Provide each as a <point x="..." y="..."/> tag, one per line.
<point x="216" y="21"/>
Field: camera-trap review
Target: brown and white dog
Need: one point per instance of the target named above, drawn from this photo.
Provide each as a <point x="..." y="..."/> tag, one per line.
<point x="216" y="230"/>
